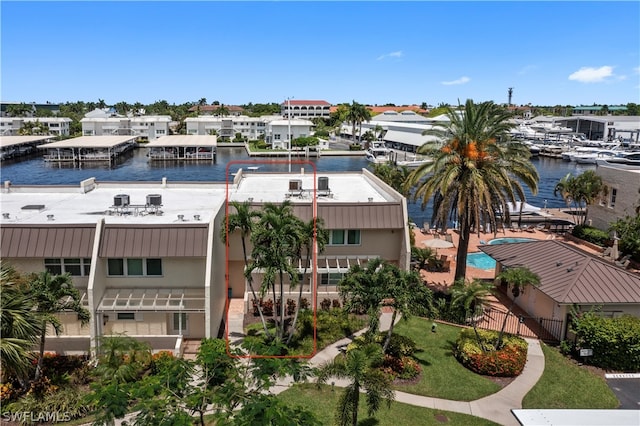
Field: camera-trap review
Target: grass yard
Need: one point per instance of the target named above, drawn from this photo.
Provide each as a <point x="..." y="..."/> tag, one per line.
<point x="565" y="385"/>
<point x="442" y="375"/>
<point x="322" y="402"/>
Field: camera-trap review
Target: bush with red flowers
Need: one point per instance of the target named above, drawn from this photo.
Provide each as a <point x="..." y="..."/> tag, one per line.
<point x="506" y="362"/>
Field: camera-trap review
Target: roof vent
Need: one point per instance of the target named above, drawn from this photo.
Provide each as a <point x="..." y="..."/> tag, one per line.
<point x="181" y="217"/>
<point x="295" y="185"/>
<point x="154" y="200"/>
<point x="196" y="217"/>
<point x="323" y="183"/>
<point x="121" y="200"/>
<point x="370" y="199"/>
<point x="5" y="215"/>
<point x="49" y="217"/>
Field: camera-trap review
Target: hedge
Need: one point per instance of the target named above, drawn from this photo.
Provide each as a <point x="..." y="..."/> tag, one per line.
<point x="506" y="362"/>
<point x="615" y="341"/>
<point x="590" y="234"/>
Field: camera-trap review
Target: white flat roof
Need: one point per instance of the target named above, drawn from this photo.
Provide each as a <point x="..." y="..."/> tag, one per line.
<point x="70" y="205"/>
<point x="90" y="142"/>
<point x="17" y="140"/>
<point x="183" y="140"/>
<point x="354" y="187"/>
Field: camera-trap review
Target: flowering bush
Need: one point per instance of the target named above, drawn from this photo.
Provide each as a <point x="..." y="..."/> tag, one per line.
<point x="6" y="392"/>
<point x="401" y="367"/>
<point x="506" y="362"/>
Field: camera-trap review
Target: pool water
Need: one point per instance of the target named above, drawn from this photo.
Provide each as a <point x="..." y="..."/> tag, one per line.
<point x="481" y="261"/>
<point x="484" y="261"/>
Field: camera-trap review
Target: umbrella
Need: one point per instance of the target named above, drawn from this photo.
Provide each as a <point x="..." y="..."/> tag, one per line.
<point x="438" y="243"/>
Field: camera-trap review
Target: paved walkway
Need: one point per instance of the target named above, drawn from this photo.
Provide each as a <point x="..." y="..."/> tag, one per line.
<point x="496" y="407"/>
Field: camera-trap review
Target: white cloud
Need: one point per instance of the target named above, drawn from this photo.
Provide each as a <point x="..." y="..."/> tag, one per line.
<point x="461" y="80"/>
<point x="396" y="54"/>
<point x="592" y="75"/>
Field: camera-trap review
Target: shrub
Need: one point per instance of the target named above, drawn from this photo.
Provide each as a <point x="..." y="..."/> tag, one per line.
<point x="590" y="234"/>
<point x="267" y="308"/>
<point x="304" y="303"/>
<point x="404" y="368"/>
<point x="615" y="341"/>
<point x="400" y="346"/>
<point x="325" y="305"/>
<point x="291" y="307"/>
<point x="506" y="362"/>
<point x="355" y="147"/>
<point x="335" y="303"/>
<point x="67" y="404"/>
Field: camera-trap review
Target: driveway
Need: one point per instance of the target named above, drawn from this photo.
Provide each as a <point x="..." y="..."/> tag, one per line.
<point x="627" y="389"/>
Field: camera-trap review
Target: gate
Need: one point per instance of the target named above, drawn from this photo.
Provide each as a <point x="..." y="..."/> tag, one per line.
<point x="546" y="329"/>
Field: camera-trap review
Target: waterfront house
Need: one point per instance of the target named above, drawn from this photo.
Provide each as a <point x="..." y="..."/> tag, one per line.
<point x="276" y="131"/>
<point x="55" y="126"/>
<point x="144" y="126"/>
<point x="148" y="257"/>
<point x="250" y="128"/>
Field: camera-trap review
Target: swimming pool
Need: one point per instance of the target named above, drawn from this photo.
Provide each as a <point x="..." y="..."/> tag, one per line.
<point x="482" y="260"/>
<point x="508" y="240"/>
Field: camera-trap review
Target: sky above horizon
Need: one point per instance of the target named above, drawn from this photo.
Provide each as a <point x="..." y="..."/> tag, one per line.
<point x="550" y="53"/>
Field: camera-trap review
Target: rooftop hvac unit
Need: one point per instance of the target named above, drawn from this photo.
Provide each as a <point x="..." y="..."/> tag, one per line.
<point x="121" y="200"/>
<point x="323" y="183"/>
<point x="154" y="200"/>
<point x="295" y="185"/>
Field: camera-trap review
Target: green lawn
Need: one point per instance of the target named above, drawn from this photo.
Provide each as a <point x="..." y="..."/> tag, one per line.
<point x="442" y="375"/>
<point x="565" y="385"/>
<point x="322" y="402"/>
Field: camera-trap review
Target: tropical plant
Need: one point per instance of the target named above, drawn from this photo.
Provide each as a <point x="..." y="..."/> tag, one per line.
<point x="473" y="298"/>
<point x="357" y="113"/>
<point x="423" y="255"/>
<point x="275" y="242"/>
<point x="243" y="220"/>
<point x="518" y="279"/>
<point x="18" y="326"/>
<point x="222" y="110"/>
<point x="360" y="367"/>
<point x="580" y="191"/>
<point x="475" y="173"/>
<point x="392" y="175"/>
<point x="52" y="295"/>
<point x="628" y="231"/>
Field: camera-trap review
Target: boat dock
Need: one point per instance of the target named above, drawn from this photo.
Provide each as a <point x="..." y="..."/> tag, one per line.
<point x="19" y="146"/>
<point x="89" y="148"/>
<point x="183" y="147"/>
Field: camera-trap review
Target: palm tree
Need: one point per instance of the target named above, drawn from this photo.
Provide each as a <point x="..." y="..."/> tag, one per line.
<point x="222" y="110"/>
<point x="243" y="220"/>
<point x="51" y="295"/>
<point x="423" y="255"/>
<point x="356" y="114"/>
<point x="475" y="174"/>
<point x="275" y="242"/>
<point x="393" y="176"/>
<point x="312" y="235"/>
<point x="359" y="366"/>
<point x="580" y="191"/>
<point x="18" y="326"/>
<point x="121" y="358"/>
<point x="473" y="298"/>
<point x="518" y="279"/>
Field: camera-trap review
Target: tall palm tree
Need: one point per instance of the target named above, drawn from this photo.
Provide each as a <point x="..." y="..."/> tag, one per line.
<point x="359" y="366"/>
<point x="18" y="326"/>
<point x="518" y="279"/>
<point x="475" y="173"/>
<point x="243" y="220"/>
<point x="312" y="236"/>
<point x="356" y="114"/>
<point x="275" y="242"/>
<point x="473" y="297"/>
<point x="580" y="191"/>
<point x="52" y="295"/>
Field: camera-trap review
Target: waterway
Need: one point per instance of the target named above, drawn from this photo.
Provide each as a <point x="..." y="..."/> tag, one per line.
<point x="137" y="167"/>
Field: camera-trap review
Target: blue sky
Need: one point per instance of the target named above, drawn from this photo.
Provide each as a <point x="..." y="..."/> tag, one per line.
<point x="551" y="53"/>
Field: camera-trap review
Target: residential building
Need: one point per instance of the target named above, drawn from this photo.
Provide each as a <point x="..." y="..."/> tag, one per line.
<point x="597" y="109"/>
<point x="57" y="126"/>
<point x="308" y="109"/>
<point x="145" y="126"/>
<point x="148" y="259"/>
<point x="250" y="128"/>
<point x="569" y="279"/>
<point x="621" y="197"/>
<point x="277" y="131"/>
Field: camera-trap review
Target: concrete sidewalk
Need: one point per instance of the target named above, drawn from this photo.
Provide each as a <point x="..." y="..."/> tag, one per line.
<point x="496" y="407"/>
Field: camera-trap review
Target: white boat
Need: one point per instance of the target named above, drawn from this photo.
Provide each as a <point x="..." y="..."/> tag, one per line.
<point x="591" y="158"/>
<point x="630" y="158"/>
<point x="414" y="162"/>
<point x="378" y="153"/>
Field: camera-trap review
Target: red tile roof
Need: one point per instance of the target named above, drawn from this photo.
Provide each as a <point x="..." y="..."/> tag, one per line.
<point x="305" y="102"/>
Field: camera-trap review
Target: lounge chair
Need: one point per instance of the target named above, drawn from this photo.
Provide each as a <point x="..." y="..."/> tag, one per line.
<point x="530" y="228"/>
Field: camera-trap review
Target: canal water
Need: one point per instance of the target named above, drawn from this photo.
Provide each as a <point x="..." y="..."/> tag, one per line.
<point x="137" y="167"/>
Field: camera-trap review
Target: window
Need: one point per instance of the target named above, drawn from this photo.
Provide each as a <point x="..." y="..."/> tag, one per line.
<point x="339" y="237"/>
<point x="134" y="267"/>
<point x="77" y="267"/>
<point x="179" y="321"/>
<point x="331" y="278"/>
<point x="612" y="199"/>
<point x="276" y="136"/>
<point x="126" y="315"/>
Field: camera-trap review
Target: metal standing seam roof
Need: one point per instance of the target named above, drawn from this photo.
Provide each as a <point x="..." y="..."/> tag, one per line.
<point x="47" y="241"/>
<point x="154" y="241"/>
<point x="183" y="140"/>
<point x="6" y="141"/>
<point x="90" y="142"/>
<point x="569" y="275"/>
<point x="355" y="215"/>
